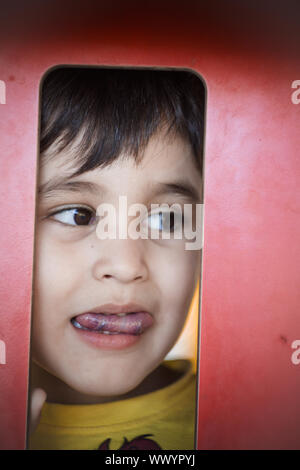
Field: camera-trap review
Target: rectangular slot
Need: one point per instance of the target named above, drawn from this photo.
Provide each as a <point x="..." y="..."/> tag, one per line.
<point x="117" y="259"/>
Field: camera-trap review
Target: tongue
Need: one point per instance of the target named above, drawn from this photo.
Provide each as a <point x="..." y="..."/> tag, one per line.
<point x="131" y="323"/>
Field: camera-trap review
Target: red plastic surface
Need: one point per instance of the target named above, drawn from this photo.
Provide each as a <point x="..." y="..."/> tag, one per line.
<point x="248" y="387"/>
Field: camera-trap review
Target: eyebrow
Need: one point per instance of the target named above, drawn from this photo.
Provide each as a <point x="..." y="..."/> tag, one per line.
<point x="47" y="189"/>
<point x="179" y="187"/>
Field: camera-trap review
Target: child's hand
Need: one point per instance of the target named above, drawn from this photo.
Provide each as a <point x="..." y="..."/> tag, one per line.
<point x="38" y="398"/>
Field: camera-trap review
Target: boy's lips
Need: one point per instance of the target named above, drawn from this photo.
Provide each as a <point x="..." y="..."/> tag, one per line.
<point x="112" y="319"/>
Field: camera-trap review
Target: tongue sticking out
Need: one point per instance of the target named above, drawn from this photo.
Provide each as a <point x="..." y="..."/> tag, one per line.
<point x="131" y="323"/>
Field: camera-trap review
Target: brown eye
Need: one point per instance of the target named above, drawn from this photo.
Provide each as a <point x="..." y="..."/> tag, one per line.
<point x="82" y="216"/>
<point x="75" y="216"/>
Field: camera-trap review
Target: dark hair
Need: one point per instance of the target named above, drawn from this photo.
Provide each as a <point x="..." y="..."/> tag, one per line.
<point x="117" y="110"/>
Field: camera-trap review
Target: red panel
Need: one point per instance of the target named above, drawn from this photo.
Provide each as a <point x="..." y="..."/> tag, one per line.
<point x="249" y="387"/>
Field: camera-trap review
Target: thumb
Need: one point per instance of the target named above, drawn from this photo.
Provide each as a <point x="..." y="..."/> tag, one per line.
<point x="38" y="398"/>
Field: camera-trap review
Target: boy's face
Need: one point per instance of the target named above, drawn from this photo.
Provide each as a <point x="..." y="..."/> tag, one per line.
<point x="78" y="273"/>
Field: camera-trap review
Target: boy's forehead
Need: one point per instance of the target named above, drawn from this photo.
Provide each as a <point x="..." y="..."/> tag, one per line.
<point x="164" y="158"/>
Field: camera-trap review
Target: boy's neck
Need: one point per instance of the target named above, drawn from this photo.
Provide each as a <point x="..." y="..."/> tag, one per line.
<point x="59" y="392"/>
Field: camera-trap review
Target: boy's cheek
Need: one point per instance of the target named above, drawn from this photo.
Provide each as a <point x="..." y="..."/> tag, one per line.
<point x="177" y="285"/>
<point x="55" y="261"/>
<point x="186" y="267"/>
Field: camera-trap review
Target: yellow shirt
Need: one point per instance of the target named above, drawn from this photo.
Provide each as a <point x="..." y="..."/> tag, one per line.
<point x="163" y="419"/>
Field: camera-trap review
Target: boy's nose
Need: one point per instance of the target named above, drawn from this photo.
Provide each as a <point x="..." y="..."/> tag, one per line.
<point x="121" y="260"/>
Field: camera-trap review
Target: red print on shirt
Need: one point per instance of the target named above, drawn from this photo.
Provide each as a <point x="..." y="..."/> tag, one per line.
<point x="137" y="443"/>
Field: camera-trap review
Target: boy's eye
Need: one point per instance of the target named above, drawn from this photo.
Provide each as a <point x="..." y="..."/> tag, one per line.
<point x="75" y="216"/>
<point x="165" y="221"/>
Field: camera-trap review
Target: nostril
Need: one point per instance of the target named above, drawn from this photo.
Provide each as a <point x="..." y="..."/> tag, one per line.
<point x="121" y="272"/>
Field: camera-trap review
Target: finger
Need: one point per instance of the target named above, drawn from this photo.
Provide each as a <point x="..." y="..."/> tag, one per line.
<point x="38" y="398"/>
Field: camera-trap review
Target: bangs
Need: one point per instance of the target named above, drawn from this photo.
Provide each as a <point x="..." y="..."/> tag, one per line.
<point x="110" y="112"/>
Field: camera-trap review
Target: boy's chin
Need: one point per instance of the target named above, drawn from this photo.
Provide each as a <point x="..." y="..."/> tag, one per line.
<point x="114" y="390"/>
<point x="68" y="387"/>
<point x="118" y="387"/>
